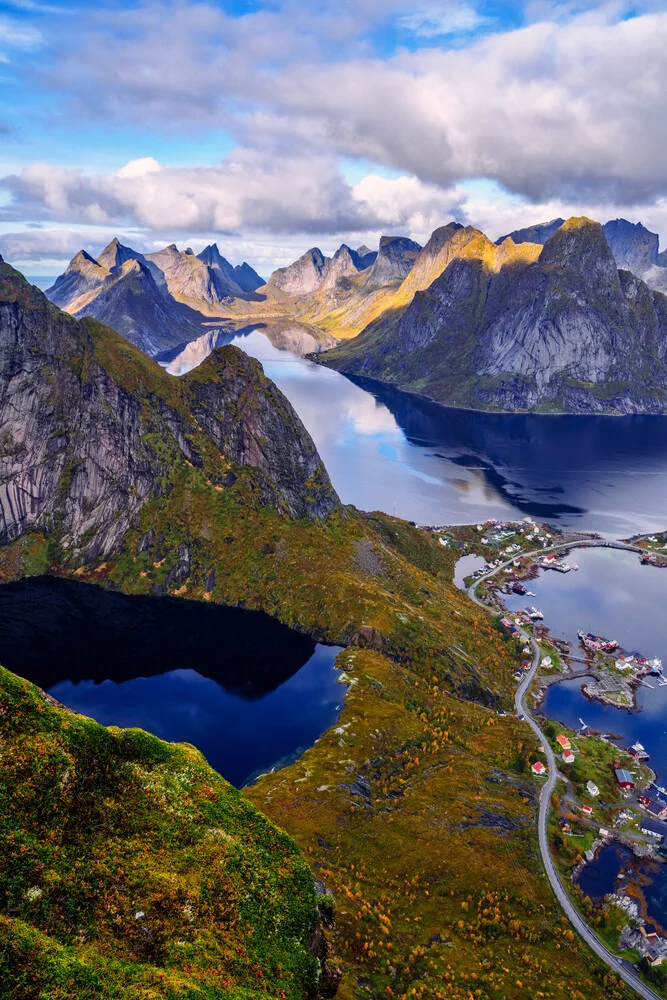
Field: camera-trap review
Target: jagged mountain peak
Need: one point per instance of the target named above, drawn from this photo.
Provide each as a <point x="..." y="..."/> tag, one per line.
<point x="82" y="257"/>
<point x="580" y="242"/>
<point x="539" y="233"/>
<point x="247" y="278"/>
<point x="395" y="259"/>
<point x="116" y="254"/>
<point x="635" y="247"/>
<point x="304" y="275"/>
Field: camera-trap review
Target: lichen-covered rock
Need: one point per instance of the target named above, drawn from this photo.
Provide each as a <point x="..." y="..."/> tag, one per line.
<point x="90" y="428"/>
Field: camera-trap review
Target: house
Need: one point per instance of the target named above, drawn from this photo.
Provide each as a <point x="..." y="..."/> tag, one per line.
<point x="568" y="757"/>
<point x="654" y="956"/>
<point x="564" y="742"/>
<point x="656" y="808"/>
<point x="587" y="810"/>
<point x="538" y="768"/>
<point x="564" y="824"/>
<point x="592" y="789"/>
<point x="653" y="827"/>
<point x="623" y="778"/>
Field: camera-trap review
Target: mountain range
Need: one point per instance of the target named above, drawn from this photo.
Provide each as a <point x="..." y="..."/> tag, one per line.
<point x="156" y="300"/>
<point x="521" y="325"/>
<point x="562" y="316"/>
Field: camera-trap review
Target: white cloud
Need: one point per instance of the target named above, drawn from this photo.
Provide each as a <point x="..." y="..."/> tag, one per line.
<point x="561" y="108"/>
<point x="15" y="35"/>
<point x="437" y="20"/>
<point x="249" y="191"/>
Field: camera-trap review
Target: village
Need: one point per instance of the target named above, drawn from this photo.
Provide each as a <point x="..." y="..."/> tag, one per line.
<point x="605" y="792"/>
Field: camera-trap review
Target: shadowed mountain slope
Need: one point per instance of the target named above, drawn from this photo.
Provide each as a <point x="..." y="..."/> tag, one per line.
<point x="503" y="328"/>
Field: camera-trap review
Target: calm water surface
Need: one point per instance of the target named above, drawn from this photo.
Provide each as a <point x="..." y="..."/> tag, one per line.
<point x="248" y="692"/>
<point x="387" y="450"/>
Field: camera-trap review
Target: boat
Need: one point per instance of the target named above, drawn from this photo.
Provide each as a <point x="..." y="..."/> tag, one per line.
<point x="638" y="752"/>
<point x="597" y="643"/>
<point x="534" y="614"/>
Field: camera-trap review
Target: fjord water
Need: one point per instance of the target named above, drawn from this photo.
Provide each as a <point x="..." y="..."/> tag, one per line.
<point x="248" y="692"/>
<point x="613" y="595"/>
<point x="387" y="450"/>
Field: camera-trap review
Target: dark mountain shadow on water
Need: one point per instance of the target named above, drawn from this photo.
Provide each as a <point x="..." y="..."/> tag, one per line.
<point x="53" y="630"/>
<point x="517" y="454"/>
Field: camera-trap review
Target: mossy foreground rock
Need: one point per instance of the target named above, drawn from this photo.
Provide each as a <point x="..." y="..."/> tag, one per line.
<point x="129" y="868"/>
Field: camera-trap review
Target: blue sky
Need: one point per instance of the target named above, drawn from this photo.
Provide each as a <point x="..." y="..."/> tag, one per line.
<point x="272" y="127"/>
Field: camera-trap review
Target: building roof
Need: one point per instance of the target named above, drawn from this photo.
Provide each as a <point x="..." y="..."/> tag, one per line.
<point x="563" y="740"/>
<point x="655" y="807"/>
<point x="624" y="777"/>
<point x="538" y="767"/>
<point x="568" y="756"/>
<point x="653" y="826"/>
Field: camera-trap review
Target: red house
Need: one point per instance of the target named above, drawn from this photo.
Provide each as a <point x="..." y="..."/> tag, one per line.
<point x="623" y="778"/>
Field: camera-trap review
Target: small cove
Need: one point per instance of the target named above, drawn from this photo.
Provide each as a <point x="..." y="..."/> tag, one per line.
<point x="247" y="691"/>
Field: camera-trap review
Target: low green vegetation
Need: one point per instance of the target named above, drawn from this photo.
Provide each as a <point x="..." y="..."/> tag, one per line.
<point x="130" y="869"/>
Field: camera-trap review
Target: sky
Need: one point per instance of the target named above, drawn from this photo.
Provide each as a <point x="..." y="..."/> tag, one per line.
<point x="270" y="126"/>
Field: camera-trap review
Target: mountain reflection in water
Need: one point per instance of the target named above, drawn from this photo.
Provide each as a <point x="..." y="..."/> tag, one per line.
<point x="245" y="689"/>
<point x="393" y="451"/>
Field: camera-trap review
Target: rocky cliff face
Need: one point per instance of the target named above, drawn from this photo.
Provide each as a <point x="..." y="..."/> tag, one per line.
<point x="131" y="302"/>
<point x="393" y="263"/>
<point x="90" y="428"/>
<point x="635" y="248"/>
<point x="302" y="277"/>
<point x="506" y="330"/>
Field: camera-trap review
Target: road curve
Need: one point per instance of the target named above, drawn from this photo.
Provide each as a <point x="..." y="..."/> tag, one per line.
<point x="620" y="967"/>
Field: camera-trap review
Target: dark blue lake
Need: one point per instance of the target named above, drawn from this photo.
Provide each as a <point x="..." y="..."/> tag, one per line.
<point x="387" y="450"/>
<point x="248" y="692"/>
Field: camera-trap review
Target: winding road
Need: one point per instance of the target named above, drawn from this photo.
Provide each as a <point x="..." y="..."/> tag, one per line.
<point x="622" y="968"/>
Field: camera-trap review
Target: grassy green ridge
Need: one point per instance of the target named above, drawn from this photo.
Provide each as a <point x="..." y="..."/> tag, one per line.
<point x="99" y="825"/>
